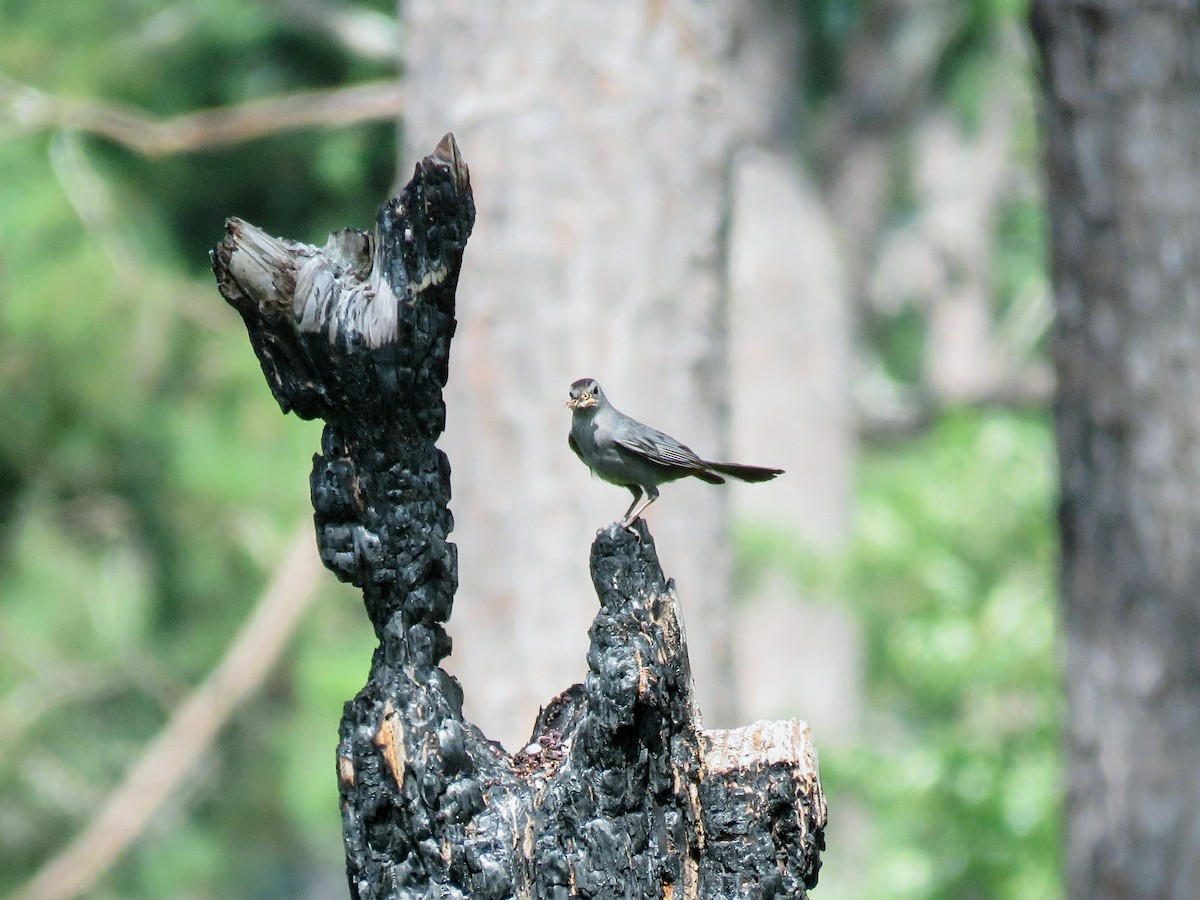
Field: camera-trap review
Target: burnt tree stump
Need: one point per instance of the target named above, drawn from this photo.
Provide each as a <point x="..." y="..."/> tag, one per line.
<point x="619" y="792"/>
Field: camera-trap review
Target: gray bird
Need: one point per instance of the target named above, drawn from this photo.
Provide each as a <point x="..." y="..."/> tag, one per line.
<point x="623" y="451"/>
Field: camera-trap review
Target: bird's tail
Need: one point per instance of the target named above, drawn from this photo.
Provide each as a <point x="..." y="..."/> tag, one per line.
<point x="744" y="473"/>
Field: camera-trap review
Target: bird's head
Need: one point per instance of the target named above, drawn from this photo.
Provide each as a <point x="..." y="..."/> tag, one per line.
<point x="585" y="393"/>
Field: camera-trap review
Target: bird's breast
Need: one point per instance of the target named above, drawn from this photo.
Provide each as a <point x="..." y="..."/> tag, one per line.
<point x="602" y="455"/>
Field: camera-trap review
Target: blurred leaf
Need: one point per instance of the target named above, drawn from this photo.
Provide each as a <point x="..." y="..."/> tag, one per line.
<point x="952" y="578"/>
<point x="148" y="482"/>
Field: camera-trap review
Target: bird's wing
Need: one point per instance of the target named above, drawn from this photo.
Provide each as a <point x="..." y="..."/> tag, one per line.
<point x="658" y="447"/>
<point x="571" y="442"/>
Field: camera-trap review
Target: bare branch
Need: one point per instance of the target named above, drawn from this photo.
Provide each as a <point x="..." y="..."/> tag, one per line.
<point x="35" y="698"/>
<point x="31" y="110"/>
<point x="167" y="760"/>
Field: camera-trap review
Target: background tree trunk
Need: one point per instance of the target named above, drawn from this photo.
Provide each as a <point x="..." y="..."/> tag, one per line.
<point x="601" y="137"/>
<point x="789" y="311"/>
<point x="1122" y="99"/>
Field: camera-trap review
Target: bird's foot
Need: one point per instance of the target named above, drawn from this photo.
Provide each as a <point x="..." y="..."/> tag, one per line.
<point x="627" y="524"/>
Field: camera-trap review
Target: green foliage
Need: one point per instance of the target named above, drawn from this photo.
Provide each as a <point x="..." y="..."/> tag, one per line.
<point x="899" y="339"/>
<point x="952" y="578"/>
<point x="148" y="483"/>
<point x="828" y="26"/>
<point x="833" y="31"/>
<point x="950" y="575"/>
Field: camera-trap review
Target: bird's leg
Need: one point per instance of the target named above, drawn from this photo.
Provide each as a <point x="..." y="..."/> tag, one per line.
<point x="637" y="495"/>
<point x="635" y="511"/>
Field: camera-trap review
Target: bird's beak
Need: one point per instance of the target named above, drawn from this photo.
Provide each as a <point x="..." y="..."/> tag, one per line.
<point x="581" y="402"/>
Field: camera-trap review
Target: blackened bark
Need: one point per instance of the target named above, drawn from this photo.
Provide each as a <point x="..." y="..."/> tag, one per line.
<point x="618" y="793"/>
<point x="1121" y="90"/>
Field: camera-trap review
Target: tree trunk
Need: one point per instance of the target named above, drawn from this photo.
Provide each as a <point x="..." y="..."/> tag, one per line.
<point x="1121" y="88"/>
<point x="603" y="134"/>
<point x="790" y="324"/>
<point x="618" y="793"/>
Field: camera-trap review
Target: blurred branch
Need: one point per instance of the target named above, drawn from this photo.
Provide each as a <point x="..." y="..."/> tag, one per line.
<point x="91" y="196"/>
<point x="60" y="789"/>
<point x="365" y="33"/>
<point x="31" y="110"/>
<point x="98" y="207"/>
<point x="35" y="698"/>
<point x="167" y="760"/>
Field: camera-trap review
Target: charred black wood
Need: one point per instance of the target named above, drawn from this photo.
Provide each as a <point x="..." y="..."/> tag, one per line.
<point x="619" y="792"/>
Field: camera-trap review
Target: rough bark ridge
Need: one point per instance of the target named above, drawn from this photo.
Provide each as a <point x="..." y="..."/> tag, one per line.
<point x="618" y="793"/>
<point x="1121" y="90"/>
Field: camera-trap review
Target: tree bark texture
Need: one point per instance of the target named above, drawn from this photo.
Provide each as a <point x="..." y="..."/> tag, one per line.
<point x="789" y="311"/>
<point x="619" y="792"/>
<point x="1121" y="84"/>
<point x="603" y="134"/>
